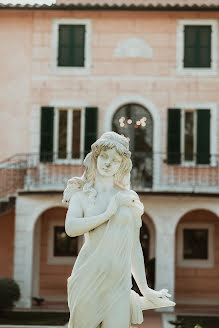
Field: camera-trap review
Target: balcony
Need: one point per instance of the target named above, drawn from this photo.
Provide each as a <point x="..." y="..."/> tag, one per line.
<point x="150" y="173"/>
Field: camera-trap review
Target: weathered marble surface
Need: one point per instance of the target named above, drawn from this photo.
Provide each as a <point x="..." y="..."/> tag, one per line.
<point x="103" y="208"/>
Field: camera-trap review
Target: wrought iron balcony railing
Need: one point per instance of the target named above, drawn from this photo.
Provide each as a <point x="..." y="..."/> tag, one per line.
<point x="151" y="172"/>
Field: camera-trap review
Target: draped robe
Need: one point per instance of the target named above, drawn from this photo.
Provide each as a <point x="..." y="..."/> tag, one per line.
<point x="102" y="274"/>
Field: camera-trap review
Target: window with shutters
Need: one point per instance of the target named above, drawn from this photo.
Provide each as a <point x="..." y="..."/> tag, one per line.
<point x="197" y="47"/>
<point x="195" y="245"/>
<point x="69" y="135"/>
<point x="71" y="46"/>
<point x="191" y="139"/>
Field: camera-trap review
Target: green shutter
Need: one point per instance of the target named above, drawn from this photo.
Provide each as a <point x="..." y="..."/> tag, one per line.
<point x="205" y="46"/>
<point x="46" y="137"/>
<point x="174" y="136"/>
<point x="78" y="45"/>
<point x="71" y="48"/>
<point x="91" y="118"/>
<point x="203" y="136"/>
<point x="190" y="46"/>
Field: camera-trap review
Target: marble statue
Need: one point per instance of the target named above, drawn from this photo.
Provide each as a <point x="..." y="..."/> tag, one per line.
<point x="103" y="208"/>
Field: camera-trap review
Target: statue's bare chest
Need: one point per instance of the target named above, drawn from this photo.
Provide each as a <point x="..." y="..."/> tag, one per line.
<point x="93" y="207"/>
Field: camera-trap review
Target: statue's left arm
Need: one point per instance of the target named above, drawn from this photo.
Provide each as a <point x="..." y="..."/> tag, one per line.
<point x="138" y="270"/>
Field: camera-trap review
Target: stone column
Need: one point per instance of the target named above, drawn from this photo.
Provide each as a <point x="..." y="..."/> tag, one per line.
<point x="23" y="250"/>
<point x="28" y="209"/>
<point x="165" y="260"/>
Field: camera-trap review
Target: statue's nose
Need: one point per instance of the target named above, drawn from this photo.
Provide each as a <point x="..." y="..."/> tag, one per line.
<point x="107" y="164"/>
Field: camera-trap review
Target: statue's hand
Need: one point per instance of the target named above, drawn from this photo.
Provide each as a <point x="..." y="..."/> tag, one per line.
<point x="153" y="295"/>
<point x="130" y="199"/>
<point x="112" y="207"/>
<point x="126" y="198"/>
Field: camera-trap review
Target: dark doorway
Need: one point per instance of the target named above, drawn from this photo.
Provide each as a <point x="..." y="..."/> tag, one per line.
<point x="135" y="122"/>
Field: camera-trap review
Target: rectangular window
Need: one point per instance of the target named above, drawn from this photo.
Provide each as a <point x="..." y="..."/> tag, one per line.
<point x="63" y="244"/>
<point x="195" y="244"/>
<point x="71" y="45"/>
<point x="68" y="143"/>
<point x="197" y="46"/>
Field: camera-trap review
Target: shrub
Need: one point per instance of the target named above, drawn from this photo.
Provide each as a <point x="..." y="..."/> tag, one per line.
<point x="9" y="293"/>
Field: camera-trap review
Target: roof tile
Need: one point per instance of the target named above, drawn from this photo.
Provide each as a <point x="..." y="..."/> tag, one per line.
<point x="109" y="3"/>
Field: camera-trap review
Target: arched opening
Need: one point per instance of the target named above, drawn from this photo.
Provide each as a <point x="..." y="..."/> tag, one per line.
<point x="135" y="122"/>
<point x="197" y="259"/>
<point x="54" y="255"/>
<point x="147" y="239"/>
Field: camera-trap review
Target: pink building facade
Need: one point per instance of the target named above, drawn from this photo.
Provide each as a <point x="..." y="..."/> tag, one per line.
<point x="70" y="72"/>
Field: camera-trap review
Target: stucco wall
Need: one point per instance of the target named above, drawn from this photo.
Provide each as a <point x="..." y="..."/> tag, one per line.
<point x="15" y="81"/>
<point x="28" y="80"/>
<point x="7" y="243"/>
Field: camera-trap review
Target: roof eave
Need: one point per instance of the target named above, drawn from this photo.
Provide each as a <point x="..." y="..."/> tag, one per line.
<point x="112" y="7"/>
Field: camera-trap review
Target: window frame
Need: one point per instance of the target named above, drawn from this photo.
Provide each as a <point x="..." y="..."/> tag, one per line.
<point x="70" y="70"/>
<point x="192" y="263"/>
<point x="180" y="44"/>
<point x="51" y="259"/>
<point x="70" y="110"/>
<point x="213" y="132"/>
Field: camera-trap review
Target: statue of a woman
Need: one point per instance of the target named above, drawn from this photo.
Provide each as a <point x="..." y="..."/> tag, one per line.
<point x="108" y="213"/>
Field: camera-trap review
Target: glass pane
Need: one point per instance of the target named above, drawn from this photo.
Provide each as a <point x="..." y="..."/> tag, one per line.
<point x="76" y="134"/>
<point x="130" y="120"/>
<point x="62" y="134"/>
<point x="63" y="244"/>
<point x="195" y="244"/>
<point x="189" y="136"/>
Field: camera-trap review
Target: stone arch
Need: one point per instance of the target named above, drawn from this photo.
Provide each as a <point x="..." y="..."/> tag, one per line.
<point x="148" y="242"/>
<point x="195" y="272"/>
<point x="142" y="101"/>
<point x="147" y="104"/>
<point x="192" y="208"/>
<point x="40" y="237"/>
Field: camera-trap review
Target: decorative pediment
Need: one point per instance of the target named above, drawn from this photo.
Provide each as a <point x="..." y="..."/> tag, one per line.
<point x="133" y="48"/>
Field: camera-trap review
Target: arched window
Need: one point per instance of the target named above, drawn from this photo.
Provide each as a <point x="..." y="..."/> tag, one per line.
<point x="135" y="122"/>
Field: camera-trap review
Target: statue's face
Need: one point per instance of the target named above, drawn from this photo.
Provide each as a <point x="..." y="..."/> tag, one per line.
<point x="108" y="162"/>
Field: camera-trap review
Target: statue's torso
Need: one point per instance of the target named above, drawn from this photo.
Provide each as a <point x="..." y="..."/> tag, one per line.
<point x="93" y="238"/>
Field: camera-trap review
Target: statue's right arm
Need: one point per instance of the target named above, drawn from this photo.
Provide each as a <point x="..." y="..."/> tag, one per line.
<point x="76" y="224"/>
